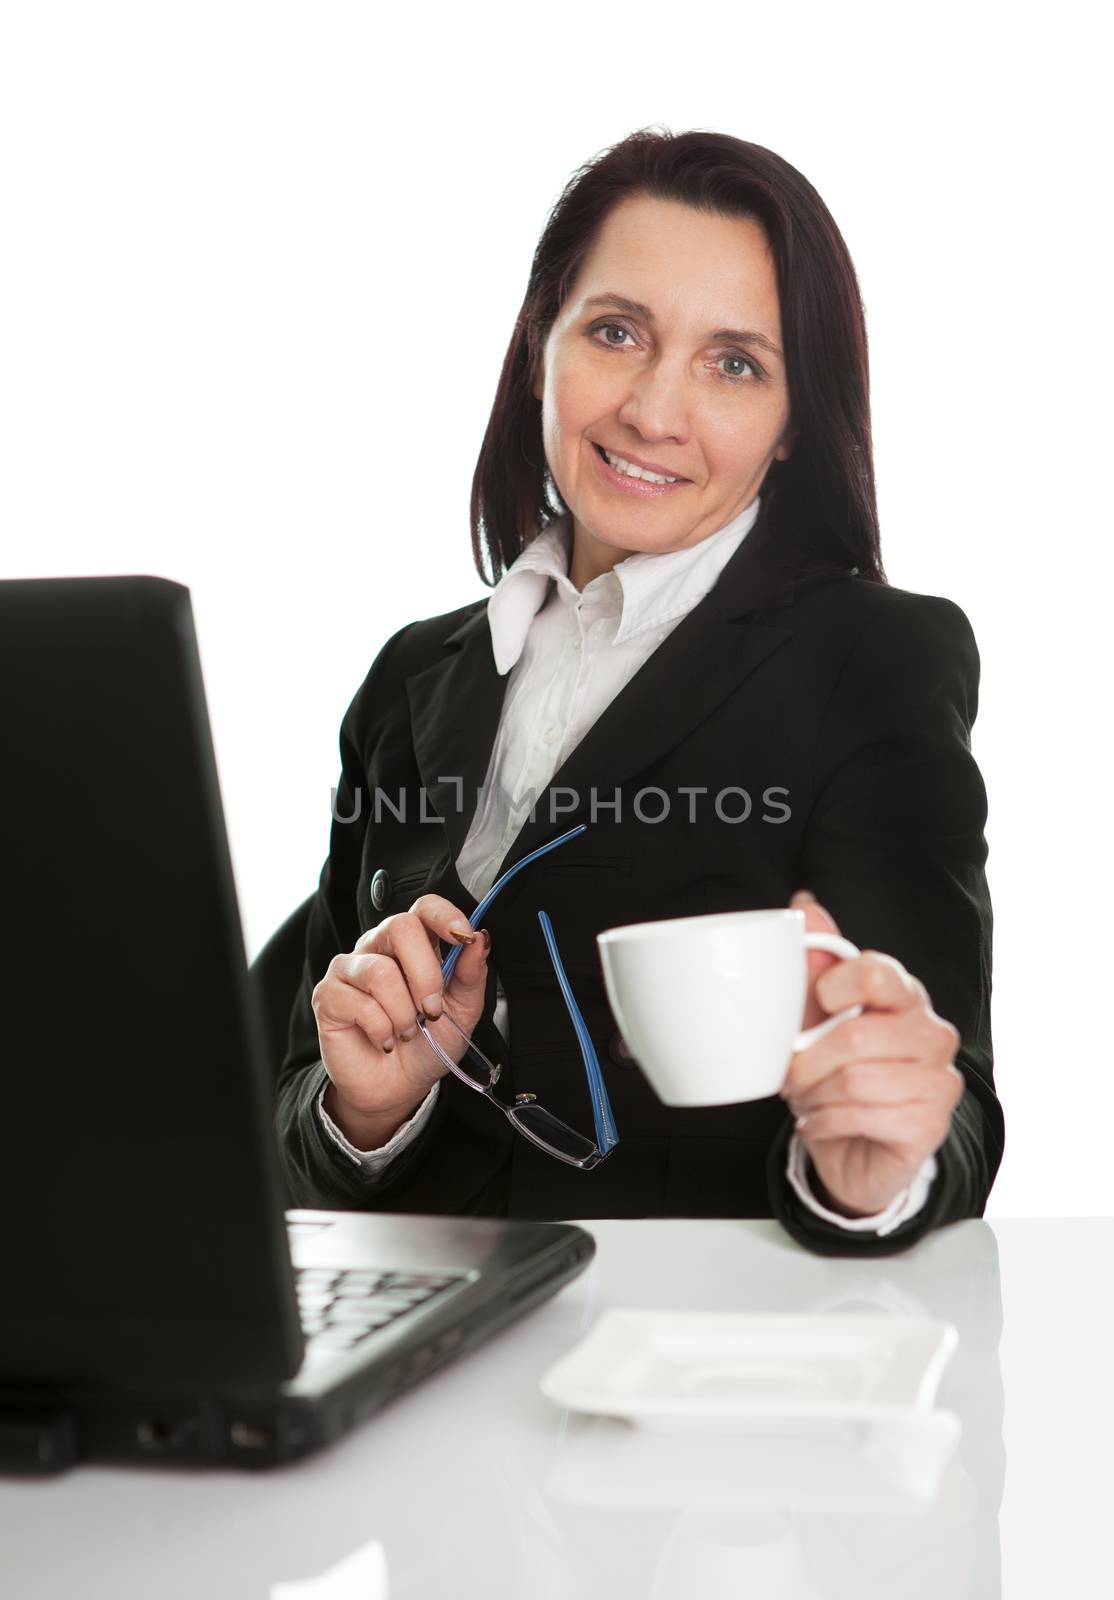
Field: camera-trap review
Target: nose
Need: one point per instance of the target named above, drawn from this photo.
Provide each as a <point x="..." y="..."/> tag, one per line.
<point x="658" y="404"/>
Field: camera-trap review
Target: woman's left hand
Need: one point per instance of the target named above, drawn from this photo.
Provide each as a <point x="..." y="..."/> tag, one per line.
<point x="877" y="1092"/>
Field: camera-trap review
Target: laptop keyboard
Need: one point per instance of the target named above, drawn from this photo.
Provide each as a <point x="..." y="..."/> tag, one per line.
<point x="339" y="1308"/>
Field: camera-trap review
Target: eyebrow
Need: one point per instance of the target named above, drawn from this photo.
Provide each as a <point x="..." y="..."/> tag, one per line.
<point x="635" y="308"/>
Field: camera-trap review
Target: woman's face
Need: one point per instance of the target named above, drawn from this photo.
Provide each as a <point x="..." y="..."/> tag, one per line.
<point x="667" y="353"/>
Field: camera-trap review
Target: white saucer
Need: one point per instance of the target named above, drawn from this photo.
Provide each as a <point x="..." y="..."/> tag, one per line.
<point x="711" y="1369"/>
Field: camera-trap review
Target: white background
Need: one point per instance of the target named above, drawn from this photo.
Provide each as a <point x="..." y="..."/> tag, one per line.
<point x="260" y="265"/>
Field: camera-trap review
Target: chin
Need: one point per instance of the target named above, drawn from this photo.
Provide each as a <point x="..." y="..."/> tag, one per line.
<point x="632" y="542"/>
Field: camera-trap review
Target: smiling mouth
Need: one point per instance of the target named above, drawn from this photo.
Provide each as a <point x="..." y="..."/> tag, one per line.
<point x="629" y="470"/>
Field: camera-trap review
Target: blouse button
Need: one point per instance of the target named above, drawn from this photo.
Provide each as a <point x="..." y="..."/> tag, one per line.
<point x="380" y="888"/>
<point x="617" y="1050"/>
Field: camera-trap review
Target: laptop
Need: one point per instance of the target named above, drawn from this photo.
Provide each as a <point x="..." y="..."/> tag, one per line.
<point x="157" y="1300"/>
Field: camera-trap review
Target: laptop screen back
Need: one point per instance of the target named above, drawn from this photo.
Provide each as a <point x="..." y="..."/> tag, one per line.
<point x="143" y="1225"/>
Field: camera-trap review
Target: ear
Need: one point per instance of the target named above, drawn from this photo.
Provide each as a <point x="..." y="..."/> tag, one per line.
<point x="785" y="448"/>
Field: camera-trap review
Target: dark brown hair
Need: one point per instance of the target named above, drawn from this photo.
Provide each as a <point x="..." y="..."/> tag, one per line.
<point x="819" y="514"/>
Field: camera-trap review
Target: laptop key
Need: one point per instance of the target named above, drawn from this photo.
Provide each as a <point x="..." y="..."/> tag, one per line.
<point x="334" y="1339"/>
<point x="359" y="1335"/>
<point x="359" y="1316"/>
<point x="390" y="1302"/>
<point x="375" y="1303"/>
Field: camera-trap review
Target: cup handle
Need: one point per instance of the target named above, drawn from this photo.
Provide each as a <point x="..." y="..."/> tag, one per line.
<point x="836" y="946"/>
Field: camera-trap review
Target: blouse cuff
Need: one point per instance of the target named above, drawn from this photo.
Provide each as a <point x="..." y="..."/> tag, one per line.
<point x="373" y="1163"/>
<point x="904" y="1205"/>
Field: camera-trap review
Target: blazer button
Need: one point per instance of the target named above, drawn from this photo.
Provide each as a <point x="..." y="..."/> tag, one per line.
<point x="380" y="888"/>
<point x="617" y="1050"/>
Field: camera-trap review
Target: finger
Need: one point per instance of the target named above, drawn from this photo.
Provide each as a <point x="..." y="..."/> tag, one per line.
<point x="405" y="938"/>
<point x="882" y="1083"/>
<point x="447" y="920"/>
<point x="373" y="937"/>
<point x="338" y="1005"/>
<point x="469" y="975"/>
<point x="440" y="917"/>
<point x="380" y="977"/>
<point x="875" y="1036"/>
<point x="817" y="918"/>
<point x="912" y="1126"/>
<point x="870" y="979"/>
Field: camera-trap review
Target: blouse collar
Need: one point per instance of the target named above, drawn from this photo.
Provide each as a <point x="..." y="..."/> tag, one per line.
<point x="646" y="589"/>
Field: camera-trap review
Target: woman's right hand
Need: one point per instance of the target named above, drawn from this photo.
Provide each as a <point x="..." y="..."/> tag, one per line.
<point x="380" y="1066"/>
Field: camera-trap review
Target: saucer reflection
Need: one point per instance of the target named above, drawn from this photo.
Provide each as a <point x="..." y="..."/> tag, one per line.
<point x="837" y="1467"/>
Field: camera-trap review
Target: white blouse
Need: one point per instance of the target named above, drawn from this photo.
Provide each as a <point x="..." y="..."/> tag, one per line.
<point x="568" y="653"/>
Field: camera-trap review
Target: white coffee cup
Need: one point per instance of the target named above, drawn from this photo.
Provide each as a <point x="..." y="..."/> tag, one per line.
<point x="711" y="1006"/>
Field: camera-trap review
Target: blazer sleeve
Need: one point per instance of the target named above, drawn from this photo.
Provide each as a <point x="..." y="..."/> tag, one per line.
<point x="894" y="847"/>
<point x="316" y="1171"/>
<point x="450" y="1167"/>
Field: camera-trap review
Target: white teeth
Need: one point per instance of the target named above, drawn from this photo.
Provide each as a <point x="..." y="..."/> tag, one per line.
<point x="631" y="471"/>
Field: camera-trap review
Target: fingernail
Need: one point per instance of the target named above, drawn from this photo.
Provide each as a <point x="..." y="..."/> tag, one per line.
<point x="803" y="897"/>
<point x="431" y="1005"/>
<point x="486" y="936"/>
<point x="408" y="1033"/>
<point x="388" y="1045"/>
<point x="462" y="930"/>
<point x="800" y="1122"/>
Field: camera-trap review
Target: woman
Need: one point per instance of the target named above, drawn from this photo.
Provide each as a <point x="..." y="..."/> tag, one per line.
<point x="675" y="504"/>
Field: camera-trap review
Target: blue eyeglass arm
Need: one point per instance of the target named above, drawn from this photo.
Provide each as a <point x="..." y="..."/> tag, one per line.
<point x="606" y="1136"/>
<point x="474" y="920"/>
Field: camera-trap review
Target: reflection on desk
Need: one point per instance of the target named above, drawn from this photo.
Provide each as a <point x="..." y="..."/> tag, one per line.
<point x="476" y="1484"/>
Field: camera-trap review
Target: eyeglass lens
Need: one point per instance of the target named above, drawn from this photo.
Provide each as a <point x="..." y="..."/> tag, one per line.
<point x="534" y="1121"/>
<point x="537" y="1122"/>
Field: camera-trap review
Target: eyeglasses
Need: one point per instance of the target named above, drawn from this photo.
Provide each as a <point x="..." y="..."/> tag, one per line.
<point x="533" y="1121"/>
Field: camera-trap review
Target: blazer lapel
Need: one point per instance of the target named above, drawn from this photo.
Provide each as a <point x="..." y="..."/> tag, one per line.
<point x="456" y="703"/>
<point x="454" y="716"/>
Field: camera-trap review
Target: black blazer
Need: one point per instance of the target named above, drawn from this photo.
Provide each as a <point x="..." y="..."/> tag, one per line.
<point x="842" y="709"/>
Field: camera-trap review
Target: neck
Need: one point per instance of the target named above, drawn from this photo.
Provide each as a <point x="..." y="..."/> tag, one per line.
<point x="590" y="557"/>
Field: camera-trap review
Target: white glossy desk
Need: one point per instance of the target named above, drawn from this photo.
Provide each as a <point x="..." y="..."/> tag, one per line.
<point x="476" y="1485"/>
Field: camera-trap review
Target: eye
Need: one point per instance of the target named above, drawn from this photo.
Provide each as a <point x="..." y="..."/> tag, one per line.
<point x="747" y="361"/>
<point x="613" y="327"/>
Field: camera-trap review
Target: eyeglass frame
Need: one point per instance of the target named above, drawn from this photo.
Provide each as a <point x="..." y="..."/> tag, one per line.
<point x="607" y="1136"/>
